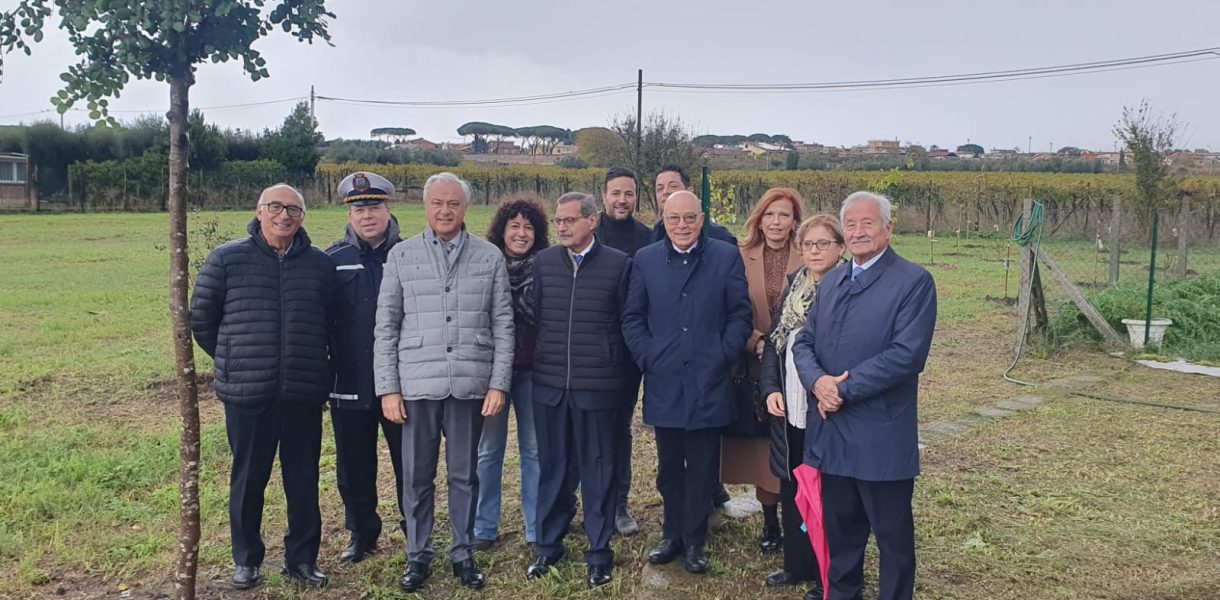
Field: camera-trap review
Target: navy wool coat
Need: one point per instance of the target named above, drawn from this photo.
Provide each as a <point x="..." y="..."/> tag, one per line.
<point x="878" y="329"/>
<point x="685" y="321"/>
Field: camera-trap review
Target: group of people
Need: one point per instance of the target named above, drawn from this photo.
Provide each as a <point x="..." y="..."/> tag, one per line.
<point x="434" y="336"/>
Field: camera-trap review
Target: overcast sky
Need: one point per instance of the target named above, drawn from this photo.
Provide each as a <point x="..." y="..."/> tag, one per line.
<point x="459" y="50"/>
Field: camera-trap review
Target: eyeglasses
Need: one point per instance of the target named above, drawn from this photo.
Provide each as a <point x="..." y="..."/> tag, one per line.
<point x="567" y="221"/>
<point x="688" y="219"/>
<point x="822" y="245"/>
<point x="276" y="208"/>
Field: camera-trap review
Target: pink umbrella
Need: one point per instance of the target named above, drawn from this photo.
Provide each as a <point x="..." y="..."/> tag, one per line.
<point x="809" y="503"/>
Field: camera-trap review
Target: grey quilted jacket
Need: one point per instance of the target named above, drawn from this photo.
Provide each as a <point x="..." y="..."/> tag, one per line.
<point x="443" y="330"/>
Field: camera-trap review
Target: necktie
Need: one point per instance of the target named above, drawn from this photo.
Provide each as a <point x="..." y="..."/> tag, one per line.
<point x="856" y="271"/>
<point x="578" y="258"/>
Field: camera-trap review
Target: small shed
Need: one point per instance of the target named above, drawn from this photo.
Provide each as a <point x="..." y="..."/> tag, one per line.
<point x="16" y="186"/>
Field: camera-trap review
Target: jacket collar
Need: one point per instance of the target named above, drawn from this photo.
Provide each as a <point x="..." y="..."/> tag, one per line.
<point x="300" y="241"/>
<point x="871" y="274"/>
<point x="393" y="236"/>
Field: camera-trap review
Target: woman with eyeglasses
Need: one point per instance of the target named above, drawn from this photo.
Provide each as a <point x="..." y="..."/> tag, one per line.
<point x="770" y="252"/>
<point x="519" y="229"/>
<point x="821" y="245"/>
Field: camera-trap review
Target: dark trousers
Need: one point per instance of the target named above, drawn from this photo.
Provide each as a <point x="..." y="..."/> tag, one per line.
<point x="356" y="467"/>
<point x="851" y="507"/>
<point x="622" y="443"/>
<point x="296" y="430"/>
<point x="799" y="559"/>
<point x="575" y="447"/>
<point x="686" y="476"/>
<point x="460" y="422"/>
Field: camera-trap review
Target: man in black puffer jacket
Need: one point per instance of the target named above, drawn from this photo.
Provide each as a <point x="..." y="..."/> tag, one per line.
<point x="260" y="310"/>
<point x="579" y="364"/>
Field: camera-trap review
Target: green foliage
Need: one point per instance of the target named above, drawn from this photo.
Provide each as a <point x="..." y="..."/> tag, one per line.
<point x="1149" y="138"/>
<point x="374" y="152"/>
<point x="572" y="162"/>
<point x="295" y="144"/>
<point x="396" y="134"/>
<point x="161" y="39"/>
<point x="665" y="140"/>
<point x="974" y="149"/>
<point x="1192" y="304"/>
<point x="481" y="131"/>
<point x="792" y="161"/>
<point x="542" y="139"/>
<point x="722" y="203"/>
<point x="708" y="141"/>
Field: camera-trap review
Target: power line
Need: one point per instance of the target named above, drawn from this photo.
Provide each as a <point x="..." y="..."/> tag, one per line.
<point x="958" y="79"/>
<point x="514" y="101"/>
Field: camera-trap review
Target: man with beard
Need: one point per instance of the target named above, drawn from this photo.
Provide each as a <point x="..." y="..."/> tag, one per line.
<point x="619" y="229"/>
<point x="671" y="179"/>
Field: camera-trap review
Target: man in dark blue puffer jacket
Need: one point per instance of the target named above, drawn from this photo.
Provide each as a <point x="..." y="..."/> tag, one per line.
<point x="260" y="310"/>
<point x="580" y="363"/>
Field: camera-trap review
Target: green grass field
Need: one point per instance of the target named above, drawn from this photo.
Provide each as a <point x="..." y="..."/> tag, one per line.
<point x="1077" y="498"/>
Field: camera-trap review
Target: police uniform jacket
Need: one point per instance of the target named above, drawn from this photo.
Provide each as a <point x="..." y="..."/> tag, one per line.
<point x="358" y="270"/>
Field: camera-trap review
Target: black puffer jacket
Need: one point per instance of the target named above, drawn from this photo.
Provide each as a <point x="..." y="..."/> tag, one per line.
<point x="784" y="454"/>
<point x="580" y="342"/>
<point x="263" y="320"/>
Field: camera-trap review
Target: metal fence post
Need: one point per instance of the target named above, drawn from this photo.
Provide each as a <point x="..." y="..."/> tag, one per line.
<point x="1156" y="226"/>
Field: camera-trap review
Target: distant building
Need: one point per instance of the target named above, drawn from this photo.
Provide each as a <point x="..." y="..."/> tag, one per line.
<point x="882" y="147"/>
<point x="564" y="150"/>
<point x="761" y="148"/>
<point x="16" y="188"/>
<point x="417" y="144"/>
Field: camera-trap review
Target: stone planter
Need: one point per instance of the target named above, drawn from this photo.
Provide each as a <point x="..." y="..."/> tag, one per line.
<point x="1135" y="330"/>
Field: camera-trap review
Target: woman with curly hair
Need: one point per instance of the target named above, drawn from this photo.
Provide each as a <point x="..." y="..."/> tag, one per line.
<point x="519" y="229"/>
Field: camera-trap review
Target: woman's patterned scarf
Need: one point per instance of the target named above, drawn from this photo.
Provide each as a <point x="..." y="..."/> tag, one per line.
<point x="796" y="307"/>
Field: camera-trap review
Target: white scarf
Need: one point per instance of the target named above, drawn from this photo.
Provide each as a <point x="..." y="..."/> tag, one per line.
<point x="794" y="393"/>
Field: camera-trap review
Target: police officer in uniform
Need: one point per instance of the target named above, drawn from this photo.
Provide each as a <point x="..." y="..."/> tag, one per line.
<point x="356" y="410"/>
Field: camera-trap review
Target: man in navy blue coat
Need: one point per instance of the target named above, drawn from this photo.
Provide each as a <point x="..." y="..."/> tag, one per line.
<point x="579" y="365"/>
<point x="687" y="316"/>
<point x="356" y="415"/>
<point x="861" y="352"/>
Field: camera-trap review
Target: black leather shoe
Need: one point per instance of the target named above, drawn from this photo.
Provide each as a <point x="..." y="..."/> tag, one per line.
<point x="245" y="578"/>
<point x="783" y="578"/>
<point x="542" y="566"/>
<point x="815" y="593"/>
<point x="356" y="550"/>
<point x="624" y="524"/>
<point x="695" y="561"/>
<point x="665" y="553"/>
<point x="483" y="544"/>
<point x="416" y="576"/>
<point x="599" y="575"/>
<point x="305" y="574"/>
<point x="772" y="541"/>
<point x="469" y="574"/>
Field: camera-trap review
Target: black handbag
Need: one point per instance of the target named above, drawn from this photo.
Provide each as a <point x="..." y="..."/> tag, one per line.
<point x="748" y="416"/>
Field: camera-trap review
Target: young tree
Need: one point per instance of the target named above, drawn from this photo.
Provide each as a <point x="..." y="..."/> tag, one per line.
<point x="164" y="40"/>
<point x="295" y="143"/>
<point x="1149" y="137"/>
<point x="666" y="140"/>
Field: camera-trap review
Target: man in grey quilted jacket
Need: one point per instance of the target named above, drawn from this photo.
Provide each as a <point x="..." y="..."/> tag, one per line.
<point x="443" y="358"/>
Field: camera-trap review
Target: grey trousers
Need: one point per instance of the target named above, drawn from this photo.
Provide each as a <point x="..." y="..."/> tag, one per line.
<point x="461" y="424"/>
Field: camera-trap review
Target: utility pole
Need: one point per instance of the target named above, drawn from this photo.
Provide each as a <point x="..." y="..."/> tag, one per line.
<point x="1029" y="145"/>
<point x="639" y="115"/>
<point x="313" y="116"/>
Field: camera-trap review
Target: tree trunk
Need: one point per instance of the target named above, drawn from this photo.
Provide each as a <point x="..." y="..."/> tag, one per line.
<point x="1184" y="219"/>
<point x="184" y="350"/>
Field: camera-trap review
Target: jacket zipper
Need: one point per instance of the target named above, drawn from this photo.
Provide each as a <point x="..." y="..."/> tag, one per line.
<point x="283" y="325"/>
<point x="567" y="384"/>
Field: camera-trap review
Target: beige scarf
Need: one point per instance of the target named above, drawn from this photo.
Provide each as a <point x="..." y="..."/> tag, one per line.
<point x="796" y="307"/>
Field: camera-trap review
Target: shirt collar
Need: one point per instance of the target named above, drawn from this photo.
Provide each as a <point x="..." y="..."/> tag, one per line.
<point x="872" y="261"/>
<point x="688" y="250"/>
<point x="583" y="253"/>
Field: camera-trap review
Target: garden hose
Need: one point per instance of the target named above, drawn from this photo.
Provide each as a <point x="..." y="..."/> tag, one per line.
<point x="1027" y="234"/>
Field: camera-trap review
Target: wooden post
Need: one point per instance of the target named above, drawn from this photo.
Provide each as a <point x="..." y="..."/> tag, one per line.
<point x="1116" y="228"/>
<point x="1090" y="313"/>
<point x="1026" y="272"/>
<point x="1183" y="226"/>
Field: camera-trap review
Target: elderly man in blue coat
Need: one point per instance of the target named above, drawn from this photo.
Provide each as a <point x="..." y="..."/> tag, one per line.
<point x="861" y="352"/>
<point x="687" y="315"/>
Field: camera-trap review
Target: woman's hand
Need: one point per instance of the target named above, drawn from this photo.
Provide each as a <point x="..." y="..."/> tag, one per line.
<point x="775" y="404"/>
